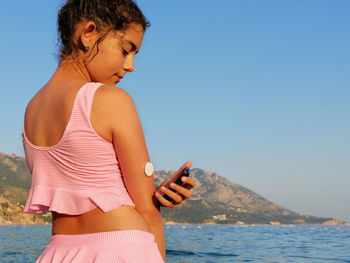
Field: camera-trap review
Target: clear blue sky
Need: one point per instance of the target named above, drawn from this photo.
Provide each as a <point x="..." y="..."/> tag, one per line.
<point x="257" y="91"/>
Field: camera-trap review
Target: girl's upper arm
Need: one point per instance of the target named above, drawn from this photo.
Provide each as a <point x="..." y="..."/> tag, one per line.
<point x="130" y="146"/>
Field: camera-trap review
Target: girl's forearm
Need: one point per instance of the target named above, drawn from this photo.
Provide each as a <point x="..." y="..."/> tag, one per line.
<point x="156" y="225"/>
<point x="158" y="232"/>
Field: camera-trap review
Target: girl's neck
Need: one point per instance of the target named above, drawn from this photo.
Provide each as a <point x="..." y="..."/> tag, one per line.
<point x="73" y="68"/>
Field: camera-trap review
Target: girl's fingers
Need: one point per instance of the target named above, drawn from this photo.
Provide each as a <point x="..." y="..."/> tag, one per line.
<point x="189" y="182"/>
<point x="177" y="198"/>
<point x="181" y="190"/>
<point x="163" y="201"/>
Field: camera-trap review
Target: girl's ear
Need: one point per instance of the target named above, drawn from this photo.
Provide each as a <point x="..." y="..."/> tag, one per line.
<point x="87" y="35"/>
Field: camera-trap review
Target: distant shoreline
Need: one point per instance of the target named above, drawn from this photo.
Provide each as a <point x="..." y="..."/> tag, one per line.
<point x="216" y="201"/>
<point x="188" y="224"/>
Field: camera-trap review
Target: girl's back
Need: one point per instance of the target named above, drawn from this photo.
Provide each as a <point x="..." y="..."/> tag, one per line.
<point x="46" y="119"/>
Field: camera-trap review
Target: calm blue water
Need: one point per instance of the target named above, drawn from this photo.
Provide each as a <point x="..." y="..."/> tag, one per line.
<point x="219" y="244"/>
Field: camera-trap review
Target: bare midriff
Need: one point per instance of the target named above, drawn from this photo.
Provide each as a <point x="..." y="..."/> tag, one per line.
<point x="121" y="218"/>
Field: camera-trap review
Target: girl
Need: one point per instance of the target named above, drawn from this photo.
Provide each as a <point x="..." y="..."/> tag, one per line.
<point x="85" y="147"/>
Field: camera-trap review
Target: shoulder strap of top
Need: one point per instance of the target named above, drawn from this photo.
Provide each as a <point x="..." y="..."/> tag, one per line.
<point x="82" y="106"/>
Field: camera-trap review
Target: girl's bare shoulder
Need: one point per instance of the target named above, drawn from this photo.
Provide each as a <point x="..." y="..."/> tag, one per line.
<point x="112" y="104"/>
<point x="110" y="95"/>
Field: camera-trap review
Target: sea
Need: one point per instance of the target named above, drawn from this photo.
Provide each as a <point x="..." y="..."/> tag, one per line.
<point x="210" y="243"/>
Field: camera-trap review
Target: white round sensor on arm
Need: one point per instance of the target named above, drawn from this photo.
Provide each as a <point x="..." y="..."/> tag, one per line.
<point x="149" y="169"/>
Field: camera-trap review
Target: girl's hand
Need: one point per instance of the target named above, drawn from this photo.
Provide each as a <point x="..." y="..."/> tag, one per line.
<point x="182" y="192"/>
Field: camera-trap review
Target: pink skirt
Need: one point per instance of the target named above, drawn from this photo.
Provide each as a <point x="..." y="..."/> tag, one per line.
<point x="127" y="246"/>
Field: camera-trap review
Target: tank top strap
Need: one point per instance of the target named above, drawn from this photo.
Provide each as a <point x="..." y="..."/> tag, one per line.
<point x="81" y="112"/>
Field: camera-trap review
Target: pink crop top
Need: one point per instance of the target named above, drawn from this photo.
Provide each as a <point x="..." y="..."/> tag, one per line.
<point x="79" y="173"/>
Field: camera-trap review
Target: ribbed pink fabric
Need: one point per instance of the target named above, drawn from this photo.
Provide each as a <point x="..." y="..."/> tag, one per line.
<point x="79" y="173"/>
<point x="122" y="246"/>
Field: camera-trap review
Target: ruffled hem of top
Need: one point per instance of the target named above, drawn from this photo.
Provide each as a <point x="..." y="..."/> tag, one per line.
<point x="75" y="202"/>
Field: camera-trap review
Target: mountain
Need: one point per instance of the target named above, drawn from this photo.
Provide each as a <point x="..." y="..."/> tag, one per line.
<point x="14" y="186"/>
<point x="215" y="200"/>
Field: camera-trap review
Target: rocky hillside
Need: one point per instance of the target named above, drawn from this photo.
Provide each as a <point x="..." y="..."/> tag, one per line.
<point x="215" y="200"/>
<point x="14" y="186"/>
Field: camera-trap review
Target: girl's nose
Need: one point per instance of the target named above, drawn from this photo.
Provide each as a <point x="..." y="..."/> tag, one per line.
<point x="129" y="63"/>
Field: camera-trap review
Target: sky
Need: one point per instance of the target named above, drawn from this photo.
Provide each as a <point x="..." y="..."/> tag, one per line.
<point x="256" y="91"/>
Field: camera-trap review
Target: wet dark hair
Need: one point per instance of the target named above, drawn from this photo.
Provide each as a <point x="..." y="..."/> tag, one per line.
<point x="106" y="14"/>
